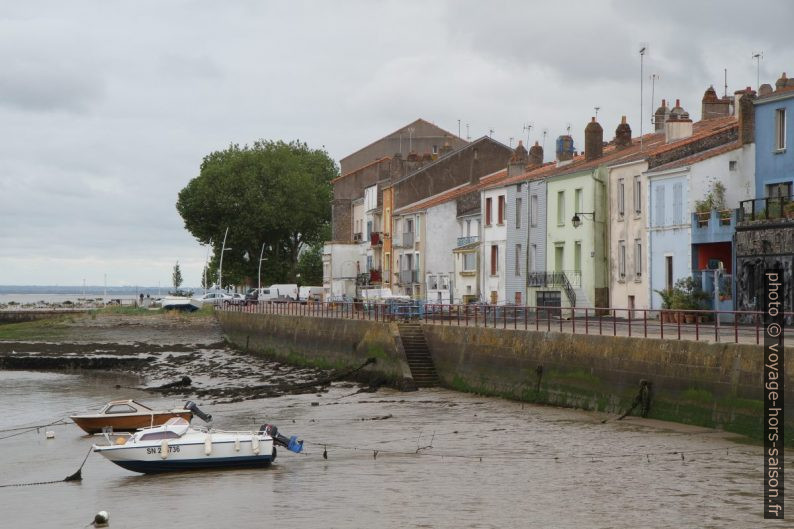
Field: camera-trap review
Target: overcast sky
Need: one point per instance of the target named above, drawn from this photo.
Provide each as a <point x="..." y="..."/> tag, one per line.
<point x="107" y="108"/>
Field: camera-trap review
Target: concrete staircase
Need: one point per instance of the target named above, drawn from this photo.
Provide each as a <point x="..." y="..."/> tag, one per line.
<point x="419" y="360"/>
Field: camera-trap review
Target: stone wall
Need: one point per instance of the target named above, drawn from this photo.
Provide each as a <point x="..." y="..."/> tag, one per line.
<point x="699" y="383"/>
<point x="322" y="342"/>
<point x="712" y="385"/>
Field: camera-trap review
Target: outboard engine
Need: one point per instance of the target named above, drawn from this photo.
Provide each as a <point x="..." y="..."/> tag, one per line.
<point x="191" y="406"/>
<point x="292" y="444"/>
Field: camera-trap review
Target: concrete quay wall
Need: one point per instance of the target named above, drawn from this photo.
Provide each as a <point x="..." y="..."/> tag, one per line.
<point x="706" y="384"/>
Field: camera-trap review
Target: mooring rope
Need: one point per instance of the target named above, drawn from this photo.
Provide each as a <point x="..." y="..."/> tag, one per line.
<point x="77" y="476"/>
<point x="25" y="429"/>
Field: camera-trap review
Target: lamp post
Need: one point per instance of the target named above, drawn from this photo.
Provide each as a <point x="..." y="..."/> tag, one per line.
<point x="577" y="221"/>
<point x="220" y="267"/>
<point x="259" y="282"/>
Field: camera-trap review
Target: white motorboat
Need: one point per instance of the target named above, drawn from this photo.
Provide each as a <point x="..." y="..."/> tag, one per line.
<point x="181" y="303"/>
<point x="176" y="445"/>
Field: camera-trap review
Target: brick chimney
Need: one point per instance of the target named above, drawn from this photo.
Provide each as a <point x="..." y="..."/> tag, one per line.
<point x="517" y="162"/>
<point x="678" y="126"/>
<point x="714" y="107"/>
<point x="623" y="134"/>
<point x="745" y="112"/>
<point x="535" y="156"/>
<point x="564" y="149"/>
<point x="593" y="140"/>
<point x="660" y="116"/>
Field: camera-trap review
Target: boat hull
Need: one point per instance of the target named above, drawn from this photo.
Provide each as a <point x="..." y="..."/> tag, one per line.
<point x="227" y="452"/>
<point x="125" y="423"/>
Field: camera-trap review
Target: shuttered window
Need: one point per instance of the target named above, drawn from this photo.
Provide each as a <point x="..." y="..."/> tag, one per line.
<point x="659" y="205"/>
<point x="678" y="203"/>
<point x="488" y="211"/>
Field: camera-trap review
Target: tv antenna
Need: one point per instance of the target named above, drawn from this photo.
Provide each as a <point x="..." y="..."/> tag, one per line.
<point x="759" y="56"/>
<point x="511" y="142"/>
<point x="527" y="128"/>
<point x="654" y="77"/>
<point x="568" y="129"/>
<point x="643" y="51"/>
<point x="458" y="128"/>
<point x="490" y="133"/>
<point x="596" y="112"/>
<point x="545" y="131"/>
<point x="468" y="138"/>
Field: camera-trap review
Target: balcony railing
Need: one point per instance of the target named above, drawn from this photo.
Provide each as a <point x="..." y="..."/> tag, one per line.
<point x="358" y="237"/>
<point x="375" y="238"/>
<point x="463" y="241"/>
<point x="408" y="239"/>
<point x="405" y="277"/>
<point x="556" y="279"/>
<point x="713" y="226"/>
<point x="770" y="208"/>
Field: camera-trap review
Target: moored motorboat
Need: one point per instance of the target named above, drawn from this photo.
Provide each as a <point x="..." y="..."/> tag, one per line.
<point x="181" y="303"/>
<point x="176" y="445"/>
<point x="128" y="416"/>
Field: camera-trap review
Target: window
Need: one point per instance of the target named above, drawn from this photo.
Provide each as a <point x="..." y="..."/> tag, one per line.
<point x="533" y="257"/>
<point x="409" y="225"/>
<point x="668" y="261"/>
<point x="417" y="228"/>
<point x="577" y="200"/>
<point x="518" y="298"/>
<point x="533" y="210"/>
<point x="778" y="190"/>
<point x="518" y="212"/>
<point x="577" y="256"/>
<point x="501" y="212"/>
<point x="560" y="208"/>
<point x="518" y="260"/>
<point x="369" y="263"/>
<point x="494" y="260"/>
<point x="121" y="408"/>
<point x="387" y="266"/>
<point x="637" y="258"/>
<point x="732" y="165"/>
<point x="369" y="230"/>
<point x="622" y="259"/>
<point x="621" y="197"/>
<point x="469" y="262"/>
<point x="156" y="436"/>
<point x="435" y="149"/>
<point x="488" y="211"/>
<point x="678" y="203"/>
<point x="637" y="195"/>
<point x="780" y="129"/>
<point x="468" y="228"/>
<point x="659" y="193"/>
<point x="559" y="249"/>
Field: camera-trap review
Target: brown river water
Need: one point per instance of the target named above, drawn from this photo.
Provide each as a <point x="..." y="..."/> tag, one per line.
<point x="444" y="459"/>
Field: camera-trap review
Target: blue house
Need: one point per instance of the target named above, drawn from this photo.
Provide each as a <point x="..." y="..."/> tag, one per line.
<point x="765" y="228"/>
<point x="774" y="137"/>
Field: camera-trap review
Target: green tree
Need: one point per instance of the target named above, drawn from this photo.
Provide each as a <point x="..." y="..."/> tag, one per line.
<point x="176" y="277"/>
<point x="310" y="265"/>
<point x="272" y="193"/>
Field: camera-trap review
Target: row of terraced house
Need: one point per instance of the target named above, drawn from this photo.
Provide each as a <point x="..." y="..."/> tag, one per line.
<point x="425" y="214"/>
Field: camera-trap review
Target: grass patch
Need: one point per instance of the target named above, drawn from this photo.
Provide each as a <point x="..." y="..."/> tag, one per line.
<point x="36" y="330"/>
<point x="130" y="311"/>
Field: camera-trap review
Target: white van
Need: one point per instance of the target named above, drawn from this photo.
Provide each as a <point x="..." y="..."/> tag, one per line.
<point x="311" y="293"/>
<point x="283" y="291"/>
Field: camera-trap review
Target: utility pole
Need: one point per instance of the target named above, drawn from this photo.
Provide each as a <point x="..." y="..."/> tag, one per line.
<point x="458" y="128"/>
<point x="643" y="49"/>
<point x="758" y="57"/>
<point x="220" y="269"/>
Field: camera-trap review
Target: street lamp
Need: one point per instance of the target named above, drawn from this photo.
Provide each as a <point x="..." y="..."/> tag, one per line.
<point x="259" y="282"/>
<point x="577" y="221"/>
<point x="220" y="268"/>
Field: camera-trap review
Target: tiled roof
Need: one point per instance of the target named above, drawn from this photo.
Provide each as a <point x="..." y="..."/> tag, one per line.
<point x="415" y="122"/>
<point x="452" y="194"/>
<point x="698" y="157"/>
<point x="652" y="144"/>
<point x="370" y="164"/>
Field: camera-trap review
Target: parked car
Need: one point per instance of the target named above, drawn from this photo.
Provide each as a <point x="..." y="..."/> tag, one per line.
<point x="216" y="298"/>
<point x="236" y="299"/>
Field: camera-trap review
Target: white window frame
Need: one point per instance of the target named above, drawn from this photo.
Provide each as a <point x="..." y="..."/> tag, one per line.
<point x="621" y="197"/>
<point x="780" y="129"/>
<point x="622" y="259"/>
<point x="518" y="260"/>
<point x="637" y="258"/>
<point x="637" y="194"/>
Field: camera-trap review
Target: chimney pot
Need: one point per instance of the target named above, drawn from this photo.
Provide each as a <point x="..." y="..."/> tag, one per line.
<point x="593" y="140"/>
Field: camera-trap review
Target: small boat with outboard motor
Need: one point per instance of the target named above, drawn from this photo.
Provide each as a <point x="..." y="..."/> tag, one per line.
<point x="177" y="445"/>
<point x="129" y="415"/>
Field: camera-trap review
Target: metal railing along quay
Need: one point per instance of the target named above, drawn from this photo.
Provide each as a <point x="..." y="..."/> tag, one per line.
<point x="696" y="325"/>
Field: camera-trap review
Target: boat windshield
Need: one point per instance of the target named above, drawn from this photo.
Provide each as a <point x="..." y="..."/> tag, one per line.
<point x="173" y="428"/>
